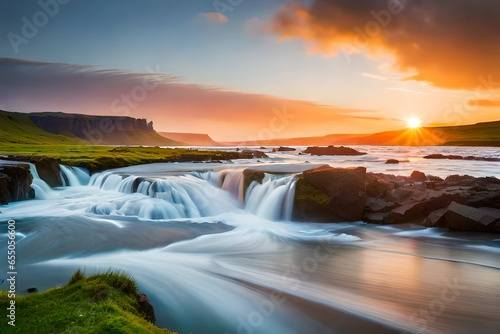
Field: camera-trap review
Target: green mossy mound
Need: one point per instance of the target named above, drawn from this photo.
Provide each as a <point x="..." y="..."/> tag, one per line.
<point x="103" y="303"/>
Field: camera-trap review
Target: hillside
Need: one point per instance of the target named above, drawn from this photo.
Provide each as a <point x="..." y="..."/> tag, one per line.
<point x="72" y="129"/>
<point x="190" y="139"/>
<point x="481" y="134"/>
<point x="17" y="128"/>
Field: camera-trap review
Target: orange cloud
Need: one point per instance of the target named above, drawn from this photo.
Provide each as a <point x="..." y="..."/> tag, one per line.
<point x="215" y="17"/>
<point x="485" y="103"/>
<point x="450" y="43"/>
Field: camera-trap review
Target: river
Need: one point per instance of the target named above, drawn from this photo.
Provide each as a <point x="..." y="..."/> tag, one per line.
<point x="213" y="259"/>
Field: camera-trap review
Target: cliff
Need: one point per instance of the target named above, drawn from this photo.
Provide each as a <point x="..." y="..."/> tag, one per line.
<point x="190" y="139"/>
<point x="109" y="130"/>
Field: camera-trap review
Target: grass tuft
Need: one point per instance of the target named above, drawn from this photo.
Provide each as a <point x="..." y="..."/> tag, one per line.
<point x="101" y="303"/>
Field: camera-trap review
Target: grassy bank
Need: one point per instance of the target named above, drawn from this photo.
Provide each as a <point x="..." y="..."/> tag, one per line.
<point x="98" y="158"/>
<point x="104" y="303"/>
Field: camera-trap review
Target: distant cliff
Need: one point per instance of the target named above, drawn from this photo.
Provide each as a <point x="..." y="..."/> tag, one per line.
<point x="97" y="130"/>
<point x="192" y="139"/>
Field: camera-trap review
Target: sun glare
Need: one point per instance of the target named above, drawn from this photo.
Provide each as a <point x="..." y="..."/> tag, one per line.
<point x="414" y="123"/>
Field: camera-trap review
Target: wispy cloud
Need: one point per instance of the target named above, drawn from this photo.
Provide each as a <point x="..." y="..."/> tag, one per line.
<point x="215" y="17"/>
<point x="485" y="103"/>
<point x="173" y="105"/>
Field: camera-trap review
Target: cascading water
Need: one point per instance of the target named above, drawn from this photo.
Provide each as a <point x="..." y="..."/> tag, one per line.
<point x="196" y="195"/>
<point x="168" y="198"/>
<point x="236" y="267"/>
<point x="71" y="176"/>
<point x="42" y="189"/>
<point x="273" y="199"/>
<point x="74" y="176"/>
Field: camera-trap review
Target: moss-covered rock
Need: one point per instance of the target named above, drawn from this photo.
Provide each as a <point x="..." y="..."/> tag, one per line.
<point x="327" y="194"/>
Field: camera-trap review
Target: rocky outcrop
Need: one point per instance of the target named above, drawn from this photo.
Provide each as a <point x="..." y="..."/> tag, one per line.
<point x="332" y="150"/>
<point x="110" y="130"/>
<point x="284" y="149"/>
<point x="252" y="154"/>
<point x="147" y="310"/>
<point x="427" y="199"/>
<point x="330" y="194"/>
<point x="15" y="184"/>
<point x="250" y="175"/>
<point x="465" y="218"/>
<point x="49" y="169"/>
<point x="458" y="157"/>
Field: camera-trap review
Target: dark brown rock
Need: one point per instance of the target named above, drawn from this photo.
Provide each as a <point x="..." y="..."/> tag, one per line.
<point x="460" y="180"/>
<point x="250" y="175"/>
<point x="411" y="209"/>
<point x="146" y="308"/>
<point x="392" y="162"/>
<point x="49" y="170"/>
<point x="418" y="176"/>
<point x="344" y="193"/>
<point x="284" y="149"/>
<point x="436" y="218"/>
<point x="466" y="218"/>
<point x="252" y="154"/>
<point x="332" y="150"/>
<point x="15" y="184"/>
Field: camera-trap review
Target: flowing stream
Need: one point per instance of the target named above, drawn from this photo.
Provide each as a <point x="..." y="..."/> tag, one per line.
<point x="216" y="258"/>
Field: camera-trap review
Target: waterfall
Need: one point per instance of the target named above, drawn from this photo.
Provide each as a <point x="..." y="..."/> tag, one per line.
<point x="196" y="195"/>
<point x="171" y="197"/>
<point x="273" y="199"/>
<point x="42" y="189"/>
<point x="231" y="180"/>
<point x="74" y="176"/>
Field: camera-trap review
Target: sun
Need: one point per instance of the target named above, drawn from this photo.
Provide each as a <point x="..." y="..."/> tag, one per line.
<point x="413" y="123"/>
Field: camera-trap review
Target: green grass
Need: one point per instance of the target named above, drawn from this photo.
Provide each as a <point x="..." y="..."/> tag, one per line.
<point x="98" y="158"/>
<point x="103" y="303"/>
<point x="18" y="129"/>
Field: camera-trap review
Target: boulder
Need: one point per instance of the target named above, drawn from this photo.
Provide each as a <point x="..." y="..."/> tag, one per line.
<point x="49" y="170"/>
<point x="392" y="162"/>
<point x="15" y="184"/>
<point x="411" y="209"/>
<point x="436" y="218"/>
<point x="145" y="307"/>
<point x="284" y="149"/>
<point x="466" y="218"/>
<point x="418" y="176"/>
<point x="460" y="180"/>
<point x="332" y="150"/>
<point x="250" y="175"/>
<point x="331" y="194"/>
<point x="252" y="154"/>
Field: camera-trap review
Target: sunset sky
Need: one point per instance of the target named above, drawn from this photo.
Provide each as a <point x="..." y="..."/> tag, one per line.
<point x="245" y="69"/>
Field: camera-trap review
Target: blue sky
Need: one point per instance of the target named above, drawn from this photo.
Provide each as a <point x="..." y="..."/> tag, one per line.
<point x="236" y="54"/>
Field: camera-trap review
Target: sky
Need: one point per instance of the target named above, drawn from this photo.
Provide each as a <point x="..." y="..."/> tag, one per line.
<point x="260" y="69"/>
